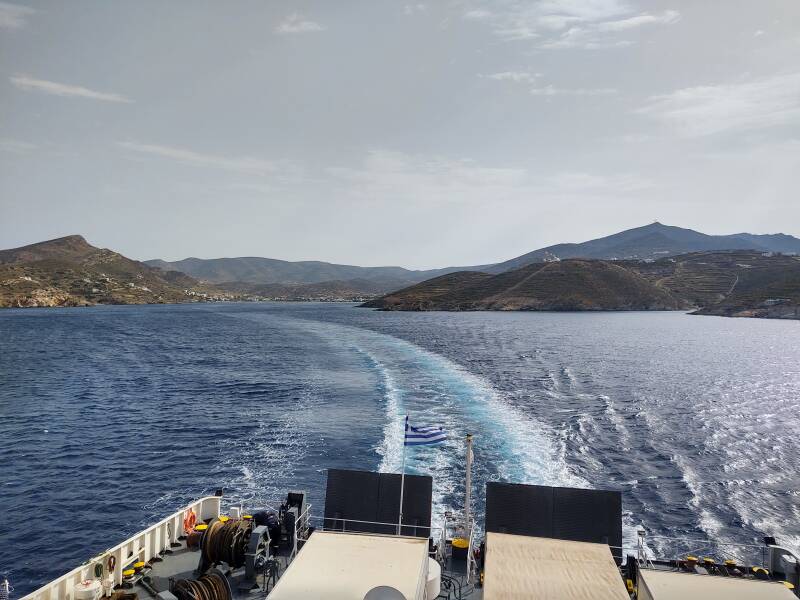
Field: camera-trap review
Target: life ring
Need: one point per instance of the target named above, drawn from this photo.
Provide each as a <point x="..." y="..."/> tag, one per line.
<point x="111" y="563"/>
<point x="189" y="519"/>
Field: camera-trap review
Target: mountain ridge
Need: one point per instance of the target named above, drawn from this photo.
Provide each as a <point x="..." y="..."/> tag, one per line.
<point x="652" y="241"/>
<point x="68" y="271"/>
<point x="568" y="285"/>
<point x="742" y="283"/>
<point x="260" y="270"/>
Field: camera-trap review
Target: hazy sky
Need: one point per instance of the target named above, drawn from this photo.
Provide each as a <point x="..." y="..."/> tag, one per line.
<point x="425" y="134"/>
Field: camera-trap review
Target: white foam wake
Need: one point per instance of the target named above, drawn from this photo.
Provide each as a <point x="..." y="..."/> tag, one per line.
<point x="509" y="444"/>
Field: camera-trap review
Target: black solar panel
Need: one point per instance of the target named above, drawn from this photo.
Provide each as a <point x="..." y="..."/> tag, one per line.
<point x="366" y="496"/>
<point x="560" y="513"/>
<point x="350" y="495"/>
<point x="519" y="509"/>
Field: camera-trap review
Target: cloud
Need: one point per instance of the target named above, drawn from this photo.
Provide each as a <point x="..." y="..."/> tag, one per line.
<point x="297" y="23"/>
<point x="411" y="9"/>
<point x="713" y="109"/>
<point x="16" y="146"/>
<point x="515" y="76"/>
<point x="768" y="152"/>
<point x="28" y="84"/>
<point x="240" y="164"/>
<point x="477" y="15"/>
<point x="576" y="181"/>
<point x="550" y="90"/>
<point x="600" y="35"/>
<point x="666" y="18"/>
<point x="259" y="188"/>
<point x="14" y="16"/>
<point x="386" y="176"/>
<point x="758" y="33"/>
<point x="567" y="23"/>
<point x="582" y="37"/>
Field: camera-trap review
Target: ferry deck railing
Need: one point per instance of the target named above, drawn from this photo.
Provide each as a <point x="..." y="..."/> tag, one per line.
<point x="355" y="526"/>
<point x="300" y="529"/>
<point x="341" y="524"/>
<point x="472" y="564"/>
<point x="441" y="546"/>
<point x="744" y="553"/>
<point x="648" y="558"/>
<point x="301" y="524"/>
<point x="143" y="546"/>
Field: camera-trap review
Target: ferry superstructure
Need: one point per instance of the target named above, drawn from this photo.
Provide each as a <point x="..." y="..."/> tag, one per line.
<point x="537" y="542"/>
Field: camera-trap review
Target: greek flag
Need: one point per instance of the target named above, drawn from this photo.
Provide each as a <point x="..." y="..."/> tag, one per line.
<point x="420" y="436"/>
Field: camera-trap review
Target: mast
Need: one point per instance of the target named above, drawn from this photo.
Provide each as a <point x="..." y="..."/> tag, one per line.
<point x="468" y="499"/>
<point x="402" y="480"/>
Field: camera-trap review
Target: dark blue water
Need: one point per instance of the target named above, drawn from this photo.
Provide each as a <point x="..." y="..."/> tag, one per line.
<point x="112" y="417"/>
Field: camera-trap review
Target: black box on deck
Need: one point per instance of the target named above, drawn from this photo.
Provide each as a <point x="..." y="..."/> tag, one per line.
<point x="366" y="496"/>
<point x="555" y="512"/>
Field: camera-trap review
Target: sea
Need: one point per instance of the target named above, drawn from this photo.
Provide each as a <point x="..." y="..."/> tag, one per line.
<point x="112" y="417"/>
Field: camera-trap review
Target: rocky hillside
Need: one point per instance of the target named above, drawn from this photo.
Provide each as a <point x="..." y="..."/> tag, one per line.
<point x="648" y="242"/>
<point x="564" y="285"/>
<point x="71" y="272"/>
<point x="352" y="290"/>
<point x="654" y="241"/>
<point x="735" y="283"/>
<point x="250" y="269"/>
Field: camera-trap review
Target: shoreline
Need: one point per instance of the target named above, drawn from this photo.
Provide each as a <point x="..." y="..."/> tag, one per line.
<point x="730" y="314"/>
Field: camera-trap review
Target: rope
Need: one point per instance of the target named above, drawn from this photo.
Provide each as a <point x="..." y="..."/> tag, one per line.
<point x="271" y="571"/>
<point x="209" y="587"/>
<point x="226" y="542"/>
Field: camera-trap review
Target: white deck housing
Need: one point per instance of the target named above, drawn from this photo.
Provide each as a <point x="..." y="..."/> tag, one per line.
<point x="141" y="547"/>
<point x="343" y="566"/>
<point x="672" y="585"/>
<point x="524" y="567"/>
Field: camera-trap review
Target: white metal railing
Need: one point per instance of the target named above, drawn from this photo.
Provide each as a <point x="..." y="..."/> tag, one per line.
<point x="472" y="564"/>
<point x="159" y="537"/>
<point x="300" y="526"/>
<point x="142" y="546"/>
<point x="340" y="524"/>
<point x="744" y="553"/>
<point x="642" y="559"/>
<point x="441" y="547"/>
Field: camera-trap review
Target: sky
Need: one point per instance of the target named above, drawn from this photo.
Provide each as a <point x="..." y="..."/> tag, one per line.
<point x="421" y="134"/>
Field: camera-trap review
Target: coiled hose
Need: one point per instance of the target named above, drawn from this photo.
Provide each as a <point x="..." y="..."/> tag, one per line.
<point x="208" y="587"/>
<point x="226" y="542"/>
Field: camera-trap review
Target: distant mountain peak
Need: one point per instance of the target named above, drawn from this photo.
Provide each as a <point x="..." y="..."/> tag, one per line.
<point x="68" y="271"/>
<point x="652" y="241"/>
<point x="75" y="237"/>
<point x="659" y="226"/>
<point x="75" y="240"/>
<point x="67" y="247"/>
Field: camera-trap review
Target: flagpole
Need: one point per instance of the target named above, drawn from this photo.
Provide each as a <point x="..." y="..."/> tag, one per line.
<point x="402" y="479"/>
<point x="468" y="485"/>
